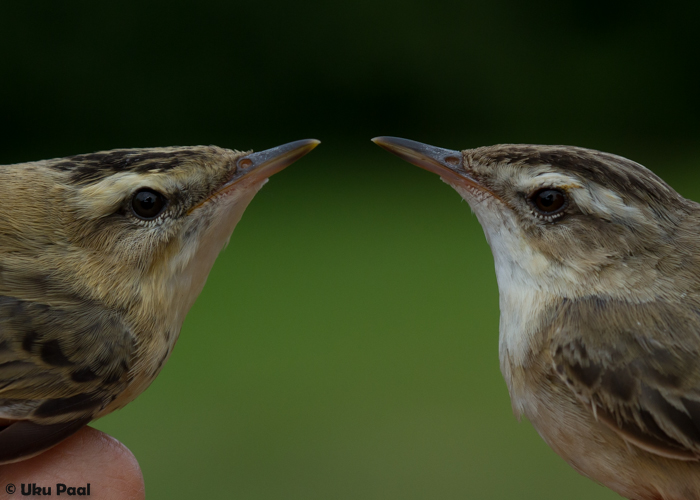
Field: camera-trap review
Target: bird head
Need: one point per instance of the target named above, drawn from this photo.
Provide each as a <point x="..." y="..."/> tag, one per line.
<point x="132" y="228"/>
<point x="566" y="220"/>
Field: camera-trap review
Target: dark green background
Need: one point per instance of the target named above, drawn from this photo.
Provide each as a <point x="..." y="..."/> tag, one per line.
<point x="345" y="346"/>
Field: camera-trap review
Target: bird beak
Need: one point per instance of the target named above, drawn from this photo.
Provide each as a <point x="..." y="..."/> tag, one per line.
<point x="261" y="165"/>
<point x="257" y="167"/>
<point x="448" y="164"/>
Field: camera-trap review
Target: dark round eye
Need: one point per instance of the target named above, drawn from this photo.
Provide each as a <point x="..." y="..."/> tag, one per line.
<point x="148" y="204"/>
<point x="549" y="201"/>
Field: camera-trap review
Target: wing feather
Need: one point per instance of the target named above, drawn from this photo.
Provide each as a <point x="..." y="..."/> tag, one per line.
<point x="636" y="366"/>
<point x="60" y="363"/>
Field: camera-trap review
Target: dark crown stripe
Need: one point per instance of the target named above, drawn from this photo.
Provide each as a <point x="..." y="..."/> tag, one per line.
<point x="87" y="168"/>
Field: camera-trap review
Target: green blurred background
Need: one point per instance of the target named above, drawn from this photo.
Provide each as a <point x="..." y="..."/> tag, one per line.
<point x="345" y="346"/>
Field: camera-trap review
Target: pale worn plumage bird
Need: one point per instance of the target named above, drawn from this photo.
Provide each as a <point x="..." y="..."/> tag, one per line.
<point x="101" y="257"/>
<point x="598" y="268"/>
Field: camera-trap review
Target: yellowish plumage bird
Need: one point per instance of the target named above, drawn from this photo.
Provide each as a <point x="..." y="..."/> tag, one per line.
<point x="598" y="268"/>
<point x="101" y="257"/>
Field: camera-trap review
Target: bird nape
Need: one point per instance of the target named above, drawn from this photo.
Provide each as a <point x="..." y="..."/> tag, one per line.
<point x="101" y="257"/>
<point x="598" y="268"/>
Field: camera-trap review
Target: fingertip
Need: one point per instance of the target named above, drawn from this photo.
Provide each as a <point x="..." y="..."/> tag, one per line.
<point x="116" y="464"/>
<point x="89" y="456"/>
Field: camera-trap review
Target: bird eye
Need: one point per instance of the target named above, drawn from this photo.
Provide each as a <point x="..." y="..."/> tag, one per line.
<point x="549" y="201"/>
<point x="148" y="204"/>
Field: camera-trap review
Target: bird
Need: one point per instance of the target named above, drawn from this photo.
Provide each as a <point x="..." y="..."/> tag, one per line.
<point x="597" y="261"/>
<point x="101" y="257"/>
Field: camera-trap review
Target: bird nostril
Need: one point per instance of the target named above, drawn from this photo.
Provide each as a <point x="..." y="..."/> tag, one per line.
<point x="245" y="163"/>
<point x="452" y="160"/>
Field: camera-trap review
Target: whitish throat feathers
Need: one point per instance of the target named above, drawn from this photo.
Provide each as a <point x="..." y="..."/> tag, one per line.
<point x="598" y="268"/>
<point x="101" y="257"/>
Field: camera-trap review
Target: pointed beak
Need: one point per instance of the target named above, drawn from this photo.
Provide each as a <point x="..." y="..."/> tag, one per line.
<point x="448" y="164"/>
<point x="257" y="167"/>
<point x="261" y="165"/>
